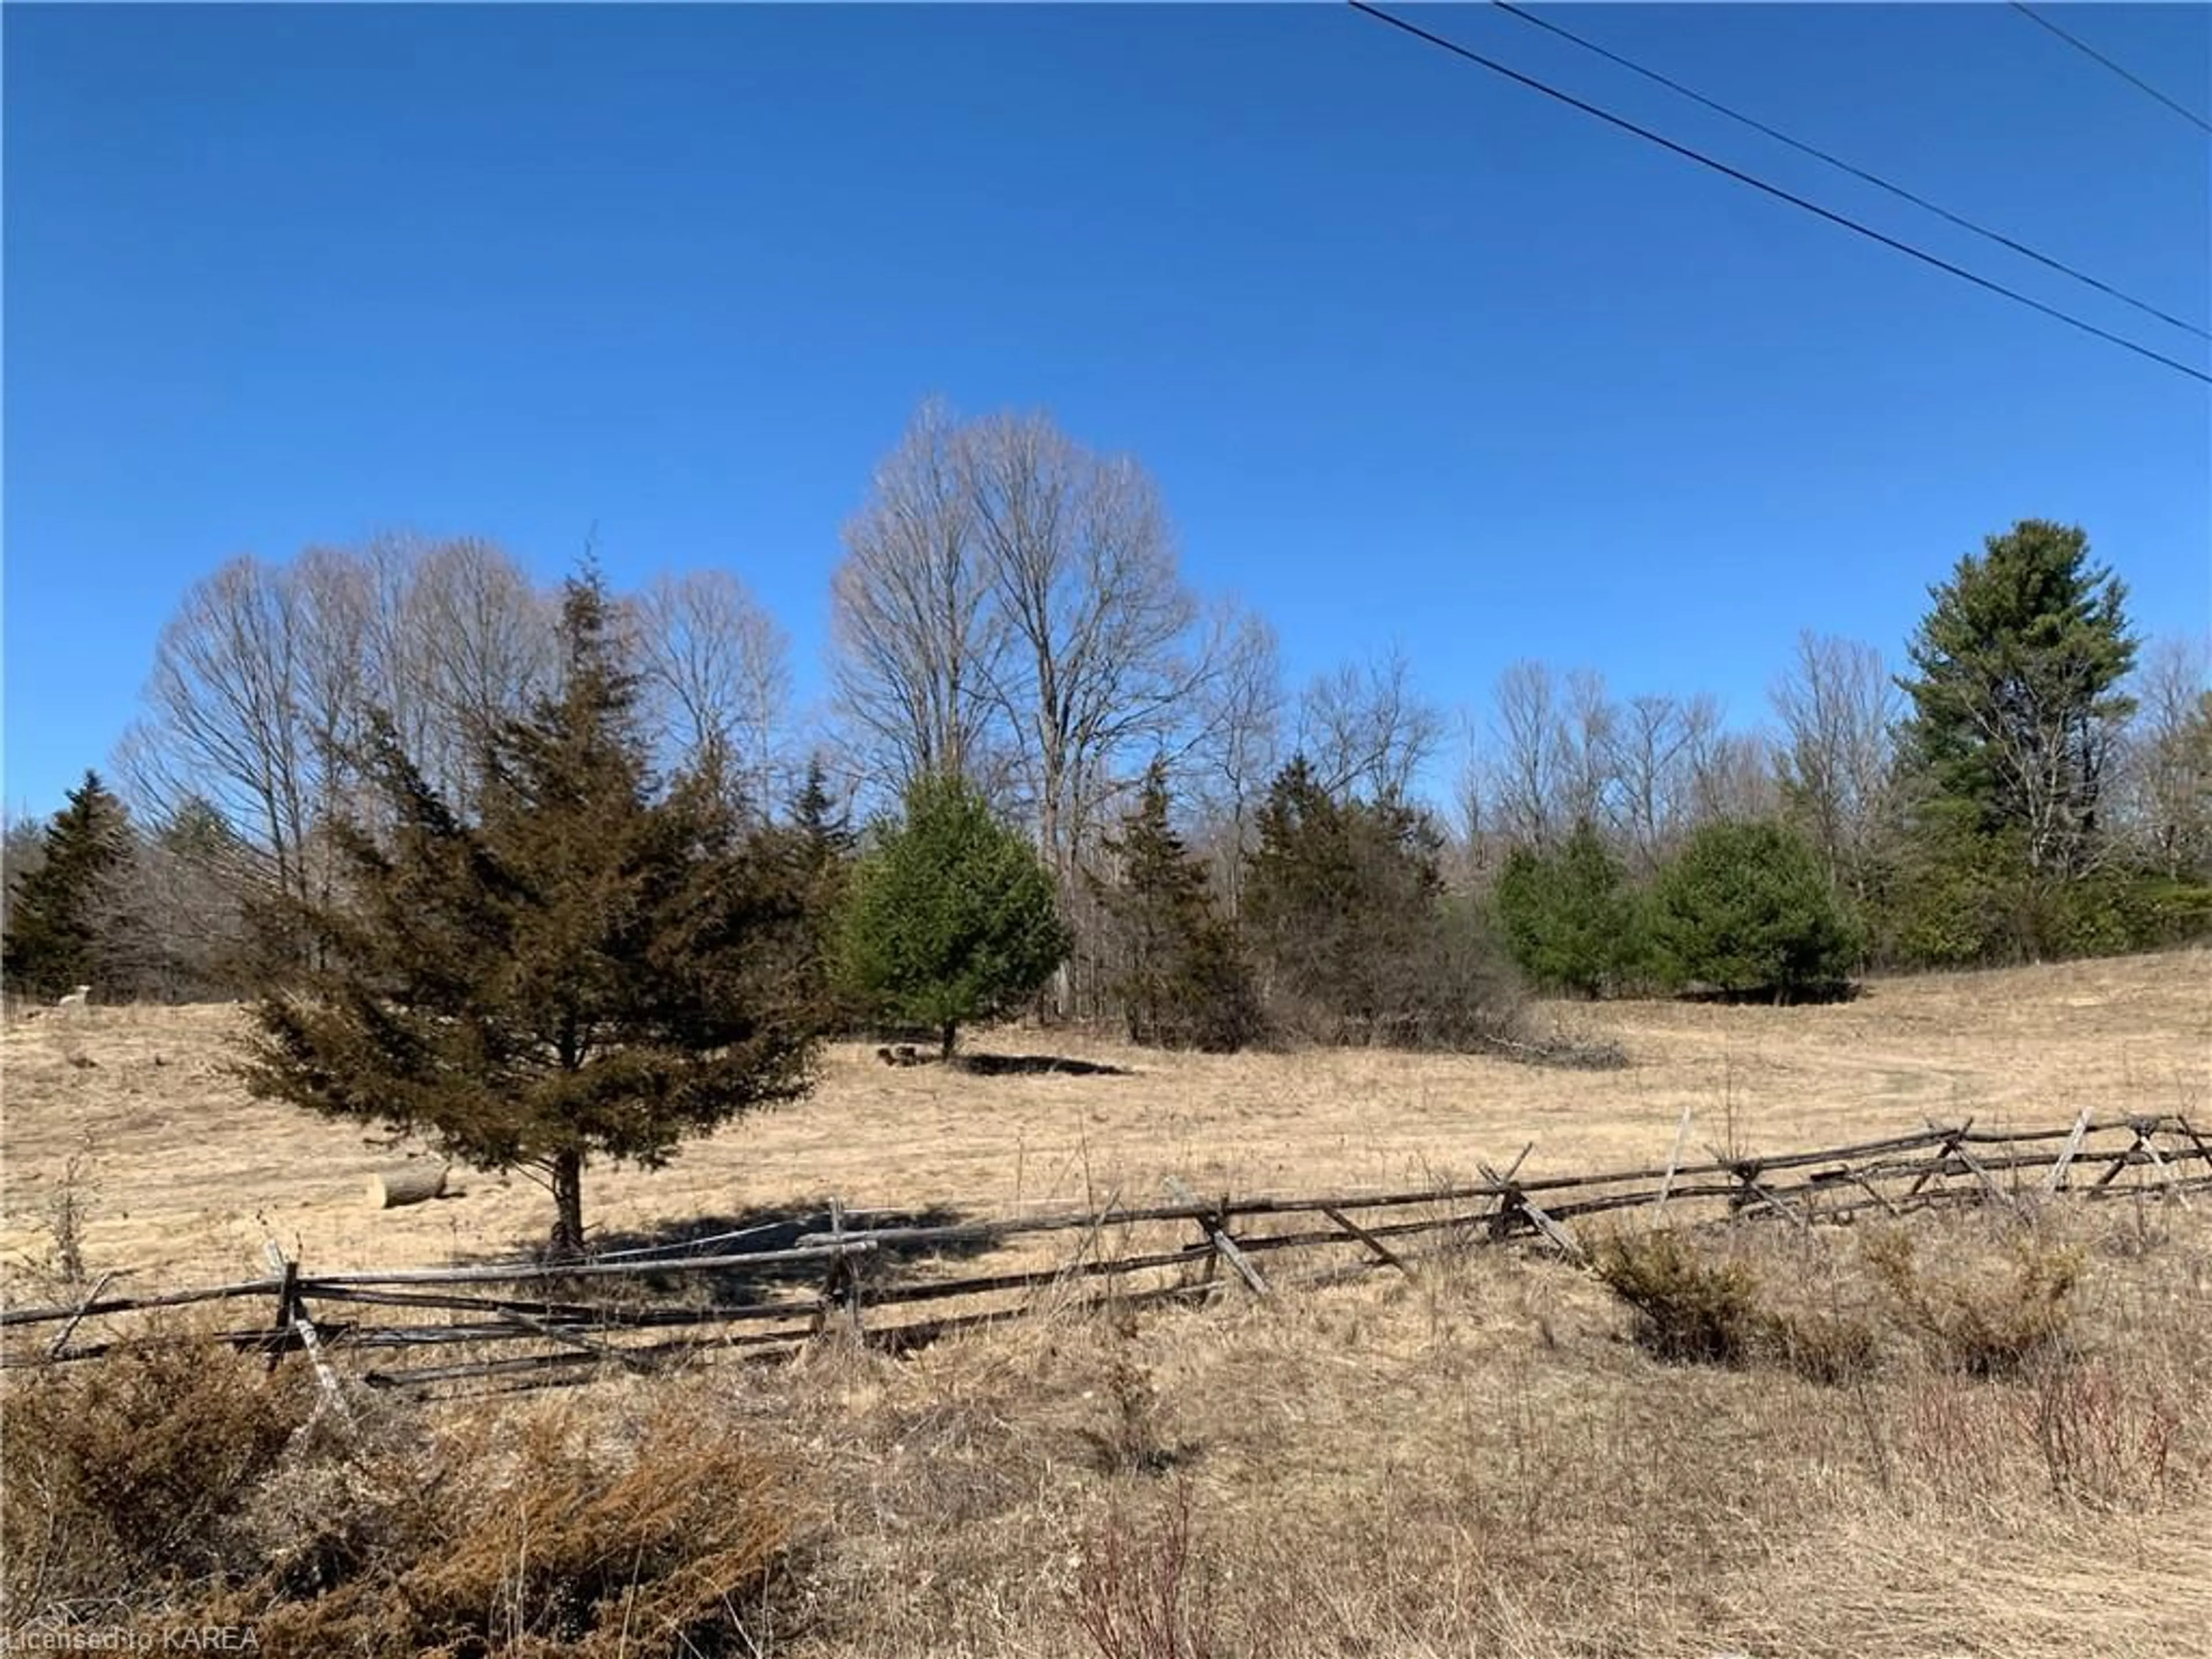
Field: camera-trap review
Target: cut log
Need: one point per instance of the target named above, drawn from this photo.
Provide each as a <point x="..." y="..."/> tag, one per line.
<point x="411" y="1183"/>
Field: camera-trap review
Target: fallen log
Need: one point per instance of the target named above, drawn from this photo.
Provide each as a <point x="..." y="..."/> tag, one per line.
<point x="410" y="1183"/>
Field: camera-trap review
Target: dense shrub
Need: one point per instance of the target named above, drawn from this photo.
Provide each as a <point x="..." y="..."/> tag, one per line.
<point x="1569" y="916"/>
<point x="165" y="1487"/>
<point x="1346" y="916"/>
<point x="131" y="1471"/>
<point x="1977" y="1323"/>
<point x="1745" y="907"/>
<point x="1688" y="1305"/>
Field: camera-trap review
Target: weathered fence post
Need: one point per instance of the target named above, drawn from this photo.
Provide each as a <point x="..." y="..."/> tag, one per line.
<point x="292" y="1312"/>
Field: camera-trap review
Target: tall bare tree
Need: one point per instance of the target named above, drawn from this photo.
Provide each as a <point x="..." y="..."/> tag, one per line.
<point x="225" y="720"/>
<point x="1649" y="742"/>
<point x="2167" y="767"/>
<point x="1101" y="662"/>
<point x="716" y="675"/>
<point x="918" y="643"/>
<point x="263" y="680"/>
<point x="1524" y="764"/>
<point x="1840" y="708"/>
<point x="475" y="648"/>
<point x="1238" y="747"/>
<point x="1366" y="731"/>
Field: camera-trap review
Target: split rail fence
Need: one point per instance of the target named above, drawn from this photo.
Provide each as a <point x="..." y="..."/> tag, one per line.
<point x="535" y="1322"/>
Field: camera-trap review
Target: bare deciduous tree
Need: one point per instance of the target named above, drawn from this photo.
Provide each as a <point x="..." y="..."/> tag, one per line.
<point x="1366" y="731"/>
<point x="717" y="678"/>
<point x="2167" y="767"/>
<point x="1523" y="770"/>
<point x="1840" y="708"/>
<point x="1650" y="743"/>
<point x="225" y="719"/>
<point x="917" y="641"/>
<point x="475" y="648"/>
<point x="1238" y="747"/>
<point x="1101" y="665"/>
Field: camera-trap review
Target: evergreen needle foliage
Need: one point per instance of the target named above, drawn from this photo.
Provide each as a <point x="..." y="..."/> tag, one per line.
<point x="1746" y="908"/>
<point x="952" y="917"/>
<point x="56" y="937"/>
<point x="593" y="968"/>
<point x="1569" y="916"/>
<point x="1183" y="982"/>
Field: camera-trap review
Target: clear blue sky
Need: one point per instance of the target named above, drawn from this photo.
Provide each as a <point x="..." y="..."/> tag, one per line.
<point x="1416" y="354"/>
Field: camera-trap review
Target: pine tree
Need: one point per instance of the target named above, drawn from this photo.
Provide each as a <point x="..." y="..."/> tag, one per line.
<point x="59" y="916"/>
<point x="2017" y="698"/>
<point x="822" y="844"/>
<point x="1183" y="982"/>
<point x="1746" y="907"/>
<point x="951" y="918"/>
<point x="595" y="967"/>
<point x="1568" y="915"/>
<point x="1342" y="905"/>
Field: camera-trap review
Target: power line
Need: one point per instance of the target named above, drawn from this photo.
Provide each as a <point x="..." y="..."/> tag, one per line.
<point x="1779" y="193"/>
<point x="1875" y="179"/>
<point x="2133" y="80"/>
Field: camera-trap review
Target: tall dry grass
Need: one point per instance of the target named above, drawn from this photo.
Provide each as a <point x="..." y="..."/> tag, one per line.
<point x="1482" y="1458"/>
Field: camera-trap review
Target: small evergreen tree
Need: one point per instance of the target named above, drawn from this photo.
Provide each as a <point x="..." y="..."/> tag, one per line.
<point x="951" y="918"/>
<point x="595" y="967"/>
<point x="1745" y="907"/>
<point x="62" y="910"/>
<point x="822" y="844"/>
<point x="1343" y="911"/>
<point x="1181" y="982"/>
<point x="1568" y="915"/>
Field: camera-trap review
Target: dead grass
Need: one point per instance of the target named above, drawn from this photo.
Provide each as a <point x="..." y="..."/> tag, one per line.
<point x="1478" y="1459"/>
<point x="185" y="1177"/>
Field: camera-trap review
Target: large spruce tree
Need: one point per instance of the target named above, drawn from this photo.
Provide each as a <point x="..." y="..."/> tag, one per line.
<point x="593" y="967"/>
<point x="61" y="912"/>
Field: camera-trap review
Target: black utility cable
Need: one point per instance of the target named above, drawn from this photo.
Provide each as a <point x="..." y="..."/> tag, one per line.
<point x="2131" y="78"/>
<point x="1780" y="194"/>
<point x="1838" y="162"/>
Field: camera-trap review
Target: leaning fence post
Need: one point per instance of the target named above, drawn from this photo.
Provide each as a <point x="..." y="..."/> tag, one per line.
<point x="292" y="1311"/>
<point x="2057" y="1178"/>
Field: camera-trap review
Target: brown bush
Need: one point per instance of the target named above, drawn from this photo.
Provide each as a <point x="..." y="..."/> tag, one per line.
<point x="1688" y="1307"/>
<point x="1975" y="1322"/>
<point x="1828" y="1348"/>
<point x="133" y="1471"/>
<point x="570" y="1548"/>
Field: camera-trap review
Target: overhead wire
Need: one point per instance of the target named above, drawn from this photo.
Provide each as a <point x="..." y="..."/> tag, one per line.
<point x="2126" y="75"/>
<point x="1775" y="191"/>
<point x="1899" y="191"/>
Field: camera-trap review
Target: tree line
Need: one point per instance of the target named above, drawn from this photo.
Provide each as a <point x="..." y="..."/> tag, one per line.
<point x="545" y="875"/>
<point x="1010" y="612"/>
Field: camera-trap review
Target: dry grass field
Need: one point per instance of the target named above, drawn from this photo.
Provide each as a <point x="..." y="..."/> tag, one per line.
<point x="1477" y="1460"/>
<point x="181" y="1177"/>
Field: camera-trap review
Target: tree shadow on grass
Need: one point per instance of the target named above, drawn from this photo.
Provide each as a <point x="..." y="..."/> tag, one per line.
<point x="976" y="1065"/>
<point x="1795" y="996"/>
<point x="1035" y="1065"/>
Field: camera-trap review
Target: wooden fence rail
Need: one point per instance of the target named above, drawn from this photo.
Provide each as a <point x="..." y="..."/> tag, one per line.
<point x="546" y="1305"/>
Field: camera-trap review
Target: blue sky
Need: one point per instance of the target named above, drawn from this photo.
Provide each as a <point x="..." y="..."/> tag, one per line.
<point x="1417" y="355"/>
